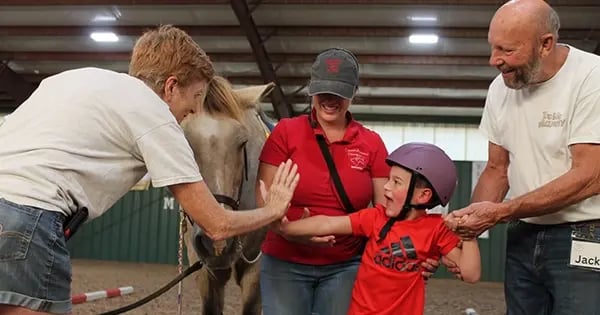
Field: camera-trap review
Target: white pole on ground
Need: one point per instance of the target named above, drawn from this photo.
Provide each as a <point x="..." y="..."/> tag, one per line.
<point x="103" y="294"/>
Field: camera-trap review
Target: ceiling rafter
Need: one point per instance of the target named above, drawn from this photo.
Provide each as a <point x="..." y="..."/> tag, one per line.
<point x="14" y="85"/>
<point x="272" y="30"/>
<point x="381" y="82"/>
<point x="409" y="101"/>
<point x="364" y="82"/>
<point x="304" y="2"/>
<point x="248" y="57"/>
<point x="359" y="100"/>
<point x="280" y="103"/>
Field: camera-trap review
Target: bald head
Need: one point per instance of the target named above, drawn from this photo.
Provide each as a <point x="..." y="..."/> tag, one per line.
<point x="523" y="36"/>
<point x="534" y="17"/>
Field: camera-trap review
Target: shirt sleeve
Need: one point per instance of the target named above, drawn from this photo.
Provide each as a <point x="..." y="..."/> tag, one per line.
<point x="363" y="221"/>
<point x="275" y="149"/>
<point x="380" y="167"/>
<point x="489" y="118"/>
<point x="585" y="120"/>
<point x="446" y="240"/>
<point x="168" y="156"/>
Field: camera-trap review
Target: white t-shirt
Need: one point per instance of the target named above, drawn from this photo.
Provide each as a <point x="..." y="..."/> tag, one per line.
<point x="537" y="124"/>
<point x="85" y="137"/>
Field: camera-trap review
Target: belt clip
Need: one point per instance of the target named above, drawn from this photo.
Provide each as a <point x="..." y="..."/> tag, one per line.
<point x="74" y="221"/>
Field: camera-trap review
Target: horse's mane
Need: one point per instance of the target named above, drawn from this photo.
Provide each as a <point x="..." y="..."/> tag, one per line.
<point x="221" y="99"/>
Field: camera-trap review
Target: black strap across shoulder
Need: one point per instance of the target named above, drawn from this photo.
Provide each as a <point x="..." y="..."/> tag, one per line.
<point x="334" y="174"/>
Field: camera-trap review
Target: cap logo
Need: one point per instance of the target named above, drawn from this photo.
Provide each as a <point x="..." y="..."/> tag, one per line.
<point x="333" y="65"/>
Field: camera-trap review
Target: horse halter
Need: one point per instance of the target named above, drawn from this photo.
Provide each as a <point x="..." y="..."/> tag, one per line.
<point x="234" y="204"/>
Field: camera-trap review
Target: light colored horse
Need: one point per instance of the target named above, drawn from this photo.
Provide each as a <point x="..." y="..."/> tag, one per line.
<point x="227" y="136"/>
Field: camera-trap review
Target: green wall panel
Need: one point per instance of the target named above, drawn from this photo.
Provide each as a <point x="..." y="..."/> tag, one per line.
<point x="143" y="226"/>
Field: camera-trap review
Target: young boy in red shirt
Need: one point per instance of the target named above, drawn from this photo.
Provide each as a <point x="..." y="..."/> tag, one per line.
<point x="401" y="234"/>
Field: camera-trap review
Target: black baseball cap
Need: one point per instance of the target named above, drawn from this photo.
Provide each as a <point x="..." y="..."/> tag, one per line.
<point x="335" y="71"/>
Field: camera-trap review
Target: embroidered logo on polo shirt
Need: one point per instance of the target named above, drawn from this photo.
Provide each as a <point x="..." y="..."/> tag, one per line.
<point x="358" y="159"/>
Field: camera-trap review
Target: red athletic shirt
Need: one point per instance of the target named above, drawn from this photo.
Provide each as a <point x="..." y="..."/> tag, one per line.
<point x="359" y="157"/>
<point x="389" y="280"/>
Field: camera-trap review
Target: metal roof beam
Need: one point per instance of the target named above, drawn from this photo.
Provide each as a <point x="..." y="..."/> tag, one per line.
<point x="380" y="82"/>
<point x="246" y="57"/>
<point x="495" y="3"/>
<point x="438" y="119"/>
<point x="108" y="2"/>
<point x="272" y="30"/>
<point x="124" y="30"/>
<point x="244" y="16"/>
<point x="233" y="30"/>
<point x="364" y="82"/>
<point x="400" y="101"/>
<point x="14" y="84"/>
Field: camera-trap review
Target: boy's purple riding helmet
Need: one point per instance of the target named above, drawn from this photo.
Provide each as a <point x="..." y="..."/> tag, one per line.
<point x="431" y="162"/>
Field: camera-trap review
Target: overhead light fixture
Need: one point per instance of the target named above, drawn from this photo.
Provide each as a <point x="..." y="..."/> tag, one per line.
<point x="423" y="18"/>
<point x="105" y="18"/>
<point x="423" y="39"/>
<point x="104" y="37"/>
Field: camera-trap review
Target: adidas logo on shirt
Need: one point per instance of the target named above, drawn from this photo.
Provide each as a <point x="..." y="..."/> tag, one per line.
<point x="400" y="256"/>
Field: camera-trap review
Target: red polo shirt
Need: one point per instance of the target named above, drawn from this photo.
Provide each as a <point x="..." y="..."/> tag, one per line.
<point x="359" y="157"/>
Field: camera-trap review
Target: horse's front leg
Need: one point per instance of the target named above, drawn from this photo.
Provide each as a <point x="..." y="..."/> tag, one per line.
<point x="247" y="277"/>
<point x="212" y="290"/>
<point x="211" y="286"/>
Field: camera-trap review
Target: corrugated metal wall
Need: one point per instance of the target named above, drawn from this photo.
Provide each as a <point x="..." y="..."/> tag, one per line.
<point x="143" y="227"/>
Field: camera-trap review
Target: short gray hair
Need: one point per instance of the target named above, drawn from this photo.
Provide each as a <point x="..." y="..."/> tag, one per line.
<point x="551" y="23"/>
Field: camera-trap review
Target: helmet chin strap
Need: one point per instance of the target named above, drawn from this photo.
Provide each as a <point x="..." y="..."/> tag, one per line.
<point x="405" y="208"/>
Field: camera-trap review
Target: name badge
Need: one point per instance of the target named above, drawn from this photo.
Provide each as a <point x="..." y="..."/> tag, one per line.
<point x="585" y="254"/>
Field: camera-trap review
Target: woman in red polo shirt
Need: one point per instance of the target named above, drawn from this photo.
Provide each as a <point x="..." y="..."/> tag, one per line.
<point x="301" y="276"/>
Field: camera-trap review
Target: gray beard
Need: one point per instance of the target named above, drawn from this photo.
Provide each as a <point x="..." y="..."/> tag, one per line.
<point x="525" y="75"/>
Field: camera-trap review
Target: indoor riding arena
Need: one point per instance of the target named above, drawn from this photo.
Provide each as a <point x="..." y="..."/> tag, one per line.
<point x="425" y="73"/>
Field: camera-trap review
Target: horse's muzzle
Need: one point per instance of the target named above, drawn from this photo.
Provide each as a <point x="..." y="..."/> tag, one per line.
<point x="205" y="247"/>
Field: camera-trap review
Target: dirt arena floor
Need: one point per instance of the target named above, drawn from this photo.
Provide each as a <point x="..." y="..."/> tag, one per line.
<point x="444" y="297"/>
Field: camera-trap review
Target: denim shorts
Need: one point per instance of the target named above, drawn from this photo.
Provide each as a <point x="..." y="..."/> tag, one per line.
<point x="35" y="269"/>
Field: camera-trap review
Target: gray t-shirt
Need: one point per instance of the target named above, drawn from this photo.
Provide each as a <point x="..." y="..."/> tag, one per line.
<point x="85" y="137"/>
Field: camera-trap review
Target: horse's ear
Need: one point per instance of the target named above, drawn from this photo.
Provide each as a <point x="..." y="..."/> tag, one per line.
<point x="252" y="95"/>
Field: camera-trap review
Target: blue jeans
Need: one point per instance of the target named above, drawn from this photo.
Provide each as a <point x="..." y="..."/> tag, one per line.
<point x="296" y="289"/>
<point x="35" y="270"/>
<point x="539" y="280"/>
